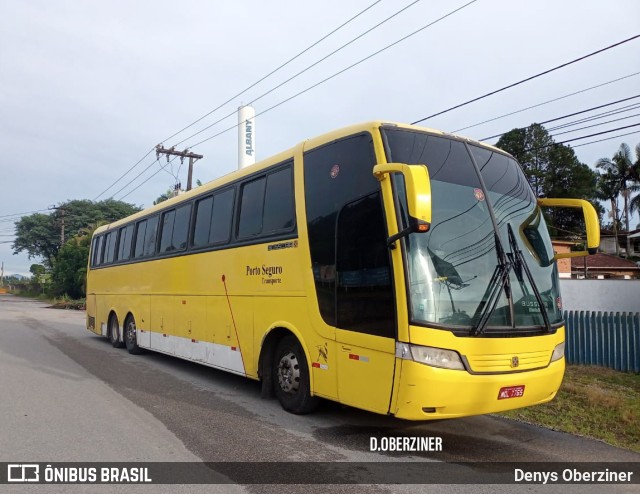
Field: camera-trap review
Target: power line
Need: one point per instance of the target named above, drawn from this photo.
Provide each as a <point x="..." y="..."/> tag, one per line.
<point x="23" y="214"/>
<point x="342" y="71"/>
<point x="590" y="109"/>
<point x="527" y="79"/>
<point x="584" y="120"/>
<point x="146" y="180"/>
<point x="583" y="137"/>
<point x="239" y="94"/>
<point x="140" y="174"/>
<point x="125" y="173"/>
<point x="314" y="85"/>
<point x="597" y="116"/>
<point x="546" y="102"/>
<point x="302" y="71"/>
<point x="570" y="115"/>
<point x="596" y="125"/>
<point x="606" y="139"/>
<point x="575" y="234"/>
<point x="275" y="70"/>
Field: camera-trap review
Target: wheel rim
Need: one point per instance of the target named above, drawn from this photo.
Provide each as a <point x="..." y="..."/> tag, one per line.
<point x="131" y="332"/>
<point x="289" y="373"/>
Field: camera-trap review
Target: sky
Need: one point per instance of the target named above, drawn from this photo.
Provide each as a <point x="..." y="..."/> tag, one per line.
<point x="87" y="89"/>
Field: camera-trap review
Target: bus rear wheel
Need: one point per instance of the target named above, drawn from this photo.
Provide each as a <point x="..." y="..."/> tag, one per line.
<point x="130" y="336"/>
<point x="291" y="377"/>
<point x="114" y="332"/>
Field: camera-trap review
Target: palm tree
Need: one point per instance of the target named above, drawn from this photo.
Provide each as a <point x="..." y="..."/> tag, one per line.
<point x="623" y="172"/>
<point x="608" y="189"/>
<point x="634" y="203"/>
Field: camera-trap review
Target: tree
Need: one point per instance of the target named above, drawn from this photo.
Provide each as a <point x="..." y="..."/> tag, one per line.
<point x="566" y="177"/>
<point x="13" y="279"/>
<point x="37" y="270"/>
<point x="78" y="214"/>
<point x="530" y="146"/>
<point x="622" y="171"/>
<point x="70" y="270"/>
<point x="40" y="234"/>
<point x="608" y="189"/>
<point x="171" y="193"/>
<point x="634" y="203"/>
<point x="165" y="196"/>
<point x="552" y="170"/>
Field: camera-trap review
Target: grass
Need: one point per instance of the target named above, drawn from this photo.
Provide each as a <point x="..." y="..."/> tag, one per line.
<point x="63" y="302"/>
<point x="593" y="402"/>
<point x="34" y="295"/>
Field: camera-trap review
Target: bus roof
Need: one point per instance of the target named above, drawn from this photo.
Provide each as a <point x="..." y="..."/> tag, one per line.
<point x="283" y="156"/>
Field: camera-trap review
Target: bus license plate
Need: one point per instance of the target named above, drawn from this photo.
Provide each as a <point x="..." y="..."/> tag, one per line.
<point x="511" y="392"/>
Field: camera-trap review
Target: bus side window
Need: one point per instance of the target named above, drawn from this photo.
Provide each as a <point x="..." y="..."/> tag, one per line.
<point x="267" y="205"/>
<point x="168" y="219"/>
<point x="110" y="247"/>
<point x="221" y="217"/>
<point x="251" y="208"/>
<point x="140" y="233"/>
<point x="150" y="236"/>
<point x="213" y="219"/>
<point x="175" y="227"/>
<point x="279" y="213"/>
<point x="181" y="227"/>
<point x="203" y="222"/>
<point x="97" y="250"/>
<point x="120" y="247"/>
<point x="124" y="244"/>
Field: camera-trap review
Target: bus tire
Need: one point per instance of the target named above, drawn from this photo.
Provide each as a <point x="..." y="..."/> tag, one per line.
<point x="114" y="332"/>
<point x="291" y="377"/>
<point x="130" y="336"/>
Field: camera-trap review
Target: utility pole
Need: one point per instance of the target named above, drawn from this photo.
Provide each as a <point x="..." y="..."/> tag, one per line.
<point x="62" y="211"/>
<point x="61" y="227"/>
<point x="2" y="274"/>
<point x="160" y="149"/>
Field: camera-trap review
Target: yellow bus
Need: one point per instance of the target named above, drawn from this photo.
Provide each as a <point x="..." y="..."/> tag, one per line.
<point x="388" y="267"/>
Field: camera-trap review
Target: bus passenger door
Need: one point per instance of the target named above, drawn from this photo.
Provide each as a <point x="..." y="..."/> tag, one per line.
<point x="365" y="313"/>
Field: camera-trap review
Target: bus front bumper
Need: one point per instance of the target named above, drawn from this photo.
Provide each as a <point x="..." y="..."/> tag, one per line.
<point x="428" y="393"/>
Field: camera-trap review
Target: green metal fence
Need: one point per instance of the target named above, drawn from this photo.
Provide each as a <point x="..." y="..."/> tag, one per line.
<point x="607" y="339"/>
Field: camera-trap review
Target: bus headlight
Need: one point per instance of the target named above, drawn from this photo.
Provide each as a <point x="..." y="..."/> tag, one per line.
<point x="558" y="352"/>
<point x="434" y="357"/>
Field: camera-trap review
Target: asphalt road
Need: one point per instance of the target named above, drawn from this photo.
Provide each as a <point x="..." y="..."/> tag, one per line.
<point x="68" y="396"/>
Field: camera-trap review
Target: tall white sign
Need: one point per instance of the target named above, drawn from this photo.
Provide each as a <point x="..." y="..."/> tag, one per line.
<point x="246" y="136"/>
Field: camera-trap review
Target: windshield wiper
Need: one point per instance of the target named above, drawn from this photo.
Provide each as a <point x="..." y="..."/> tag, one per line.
<point x="520" y="265"/>
<point x="499" y="281"/>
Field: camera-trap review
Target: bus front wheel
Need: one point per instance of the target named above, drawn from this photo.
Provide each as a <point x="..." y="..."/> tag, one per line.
<point x="130" y="336"/>
<point x="291" y="377"/>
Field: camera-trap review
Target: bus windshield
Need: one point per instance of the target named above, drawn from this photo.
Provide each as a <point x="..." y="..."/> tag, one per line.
<point x="469" y="253"/>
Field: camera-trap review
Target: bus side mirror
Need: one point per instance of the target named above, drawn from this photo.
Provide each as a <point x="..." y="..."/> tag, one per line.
<point x="418" y="187"/>
<point x="590" y="221"/>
